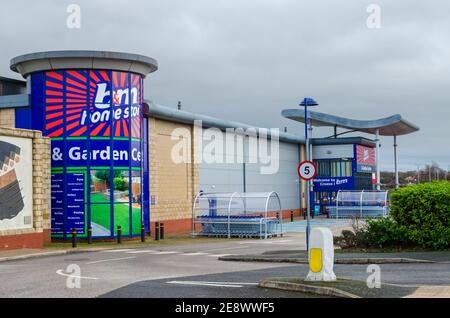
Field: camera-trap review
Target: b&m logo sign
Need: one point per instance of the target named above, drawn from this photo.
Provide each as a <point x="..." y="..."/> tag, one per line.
<point x="104" y="105"/>
<point x="96" y="103"/>
<point x="365" y="159"/>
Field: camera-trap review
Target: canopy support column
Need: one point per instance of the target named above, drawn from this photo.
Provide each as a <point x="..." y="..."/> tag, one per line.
<point x="396" y="162"/>
<point x="377" y="152"/>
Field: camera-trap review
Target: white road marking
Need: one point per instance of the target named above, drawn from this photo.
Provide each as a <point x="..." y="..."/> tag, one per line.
<point x="119" y="250"/>
<point x="194" y="254"/>
<point x="218" y="255"/>
<point x="166" y="252"/>
<point x="62" y="273"/>
<point x="212" y="284"/>
<point x="111" y="260"/>
<point x="266" y="242"/>
<point x="252" y="242"/>
<point x="227" y="248"/>
<point x="142" y="251"/>
<point x="281" y="241"/>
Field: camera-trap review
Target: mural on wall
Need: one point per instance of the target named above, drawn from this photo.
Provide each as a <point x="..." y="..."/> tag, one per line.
<point x="15" y="183"/>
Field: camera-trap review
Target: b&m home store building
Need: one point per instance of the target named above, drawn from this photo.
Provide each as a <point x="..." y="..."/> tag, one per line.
<point x="80" y="148"/>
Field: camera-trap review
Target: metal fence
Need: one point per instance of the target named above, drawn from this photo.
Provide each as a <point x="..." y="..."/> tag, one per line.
<point x="237" y="215"/>
<point x="360" y="204"/>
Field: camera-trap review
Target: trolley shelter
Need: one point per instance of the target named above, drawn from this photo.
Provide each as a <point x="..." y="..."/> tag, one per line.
<point x="360" y="204"/>
<point x="257" y="214"/>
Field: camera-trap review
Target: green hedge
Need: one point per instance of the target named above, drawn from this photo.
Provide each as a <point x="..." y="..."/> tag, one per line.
<point x="424" y="211"/>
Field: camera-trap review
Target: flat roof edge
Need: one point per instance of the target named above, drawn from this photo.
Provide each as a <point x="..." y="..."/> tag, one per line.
<point x="70" y="59"/>
<point x="181" y="116"/>
<point x="13" y="80"/>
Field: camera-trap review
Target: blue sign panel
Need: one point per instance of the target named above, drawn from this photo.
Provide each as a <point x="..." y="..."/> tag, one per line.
<point x="72" y="198"/>
<point x="360" y="167"/>
<point x="75" y="202"/>
<point x="333" y="184"/>
<point x="57" y="203"/>
<point x="101" y="153"/>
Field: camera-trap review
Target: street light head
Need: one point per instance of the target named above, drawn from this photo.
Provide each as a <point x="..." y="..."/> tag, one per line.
<point x="308" y="101"/>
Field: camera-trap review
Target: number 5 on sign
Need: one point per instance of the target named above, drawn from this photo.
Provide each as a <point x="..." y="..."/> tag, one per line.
<point x="307" y="170"/>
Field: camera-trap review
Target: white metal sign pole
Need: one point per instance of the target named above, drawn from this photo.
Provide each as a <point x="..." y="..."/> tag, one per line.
<point x="308" y="187"/>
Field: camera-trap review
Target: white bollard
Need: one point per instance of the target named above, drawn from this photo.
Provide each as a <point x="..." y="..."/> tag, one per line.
<point x="321" y="255"/>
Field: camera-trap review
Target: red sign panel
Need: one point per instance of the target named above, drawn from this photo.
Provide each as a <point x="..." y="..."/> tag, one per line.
<point x="365" y="155"/>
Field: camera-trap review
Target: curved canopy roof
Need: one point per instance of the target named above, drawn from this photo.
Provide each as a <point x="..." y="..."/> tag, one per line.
<point x="390" y="126"/>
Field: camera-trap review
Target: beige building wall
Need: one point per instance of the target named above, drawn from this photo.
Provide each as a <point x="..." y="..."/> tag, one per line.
<point x="173" y="186"/>
<point x="7" y="117"/>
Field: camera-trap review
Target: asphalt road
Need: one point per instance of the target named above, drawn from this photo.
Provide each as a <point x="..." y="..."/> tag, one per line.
<point x="183" y="271"/>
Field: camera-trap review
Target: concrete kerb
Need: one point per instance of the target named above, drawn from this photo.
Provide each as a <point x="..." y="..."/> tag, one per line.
<point x="353" y="261"/>
<point x="296" y="287"/>
<point x="49" y="254"/>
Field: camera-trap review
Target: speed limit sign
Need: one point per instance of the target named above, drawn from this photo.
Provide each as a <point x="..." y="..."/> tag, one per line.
<point x="307" y="170"/>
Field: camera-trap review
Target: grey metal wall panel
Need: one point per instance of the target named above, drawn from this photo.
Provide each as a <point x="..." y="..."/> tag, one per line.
<point x="221" y="177"/>
<point x="285" y="181"/>
<point x="229" y="177"/>
<point x="332" y="151"/>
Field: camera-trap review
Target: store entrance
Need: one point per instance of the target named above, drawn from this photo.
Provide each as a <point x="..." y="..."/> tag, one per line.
<point x="322" y="200"/>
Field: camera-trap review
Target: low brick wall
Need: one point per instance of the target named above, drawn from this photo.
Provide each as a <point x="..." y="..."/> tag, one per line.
<point x="39" y="234"/>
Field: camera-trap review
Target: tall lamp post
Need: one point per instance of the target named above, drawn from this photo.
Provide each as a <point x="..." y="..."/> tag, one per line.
<point x="307" y="101"/>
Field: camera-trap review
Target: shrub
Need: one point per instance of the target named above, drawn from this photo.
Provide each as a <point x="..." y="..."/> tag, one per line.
<point x="346" y="240"/>
<point x="120" y="184"/>
<point x="379" y="233"/>
<point x="424" y="211"/>
<point x="105" y="174"/>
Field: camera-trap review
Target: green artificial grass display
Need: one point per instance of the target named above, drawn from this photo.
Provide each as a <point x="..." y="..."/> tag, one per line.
<point x="100" y="214"/>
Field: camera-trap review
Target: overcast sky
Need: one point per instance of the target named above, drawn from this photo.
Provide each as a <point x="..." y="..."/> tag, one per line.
<point x="247" y="60"/>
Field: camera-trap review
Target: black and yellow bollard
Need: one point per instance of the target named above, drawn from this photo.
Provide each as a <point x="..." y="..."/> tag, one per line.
<point x="161" y="231"/>
<point x="156" y="231"/>
<point x="142" y="233"/>
<point x="74" y="238"/>
<point x="89" y="237"/>
<point x="119" y="234"/>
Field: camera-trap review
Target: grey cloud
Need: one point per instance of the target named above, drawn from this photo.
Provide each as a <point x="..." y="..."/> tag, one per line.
<point x="247" y="60"/>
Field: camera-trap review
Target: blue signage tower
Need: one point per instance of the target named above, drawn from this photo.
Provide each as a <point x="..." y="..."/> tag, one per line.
<point x="90" y="105"/>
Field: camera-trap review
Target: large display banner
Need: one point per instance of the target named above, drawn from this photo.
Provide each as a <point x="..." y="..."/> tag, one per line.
<point x="94" y="118"/>
<point x="16" y="179"/>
